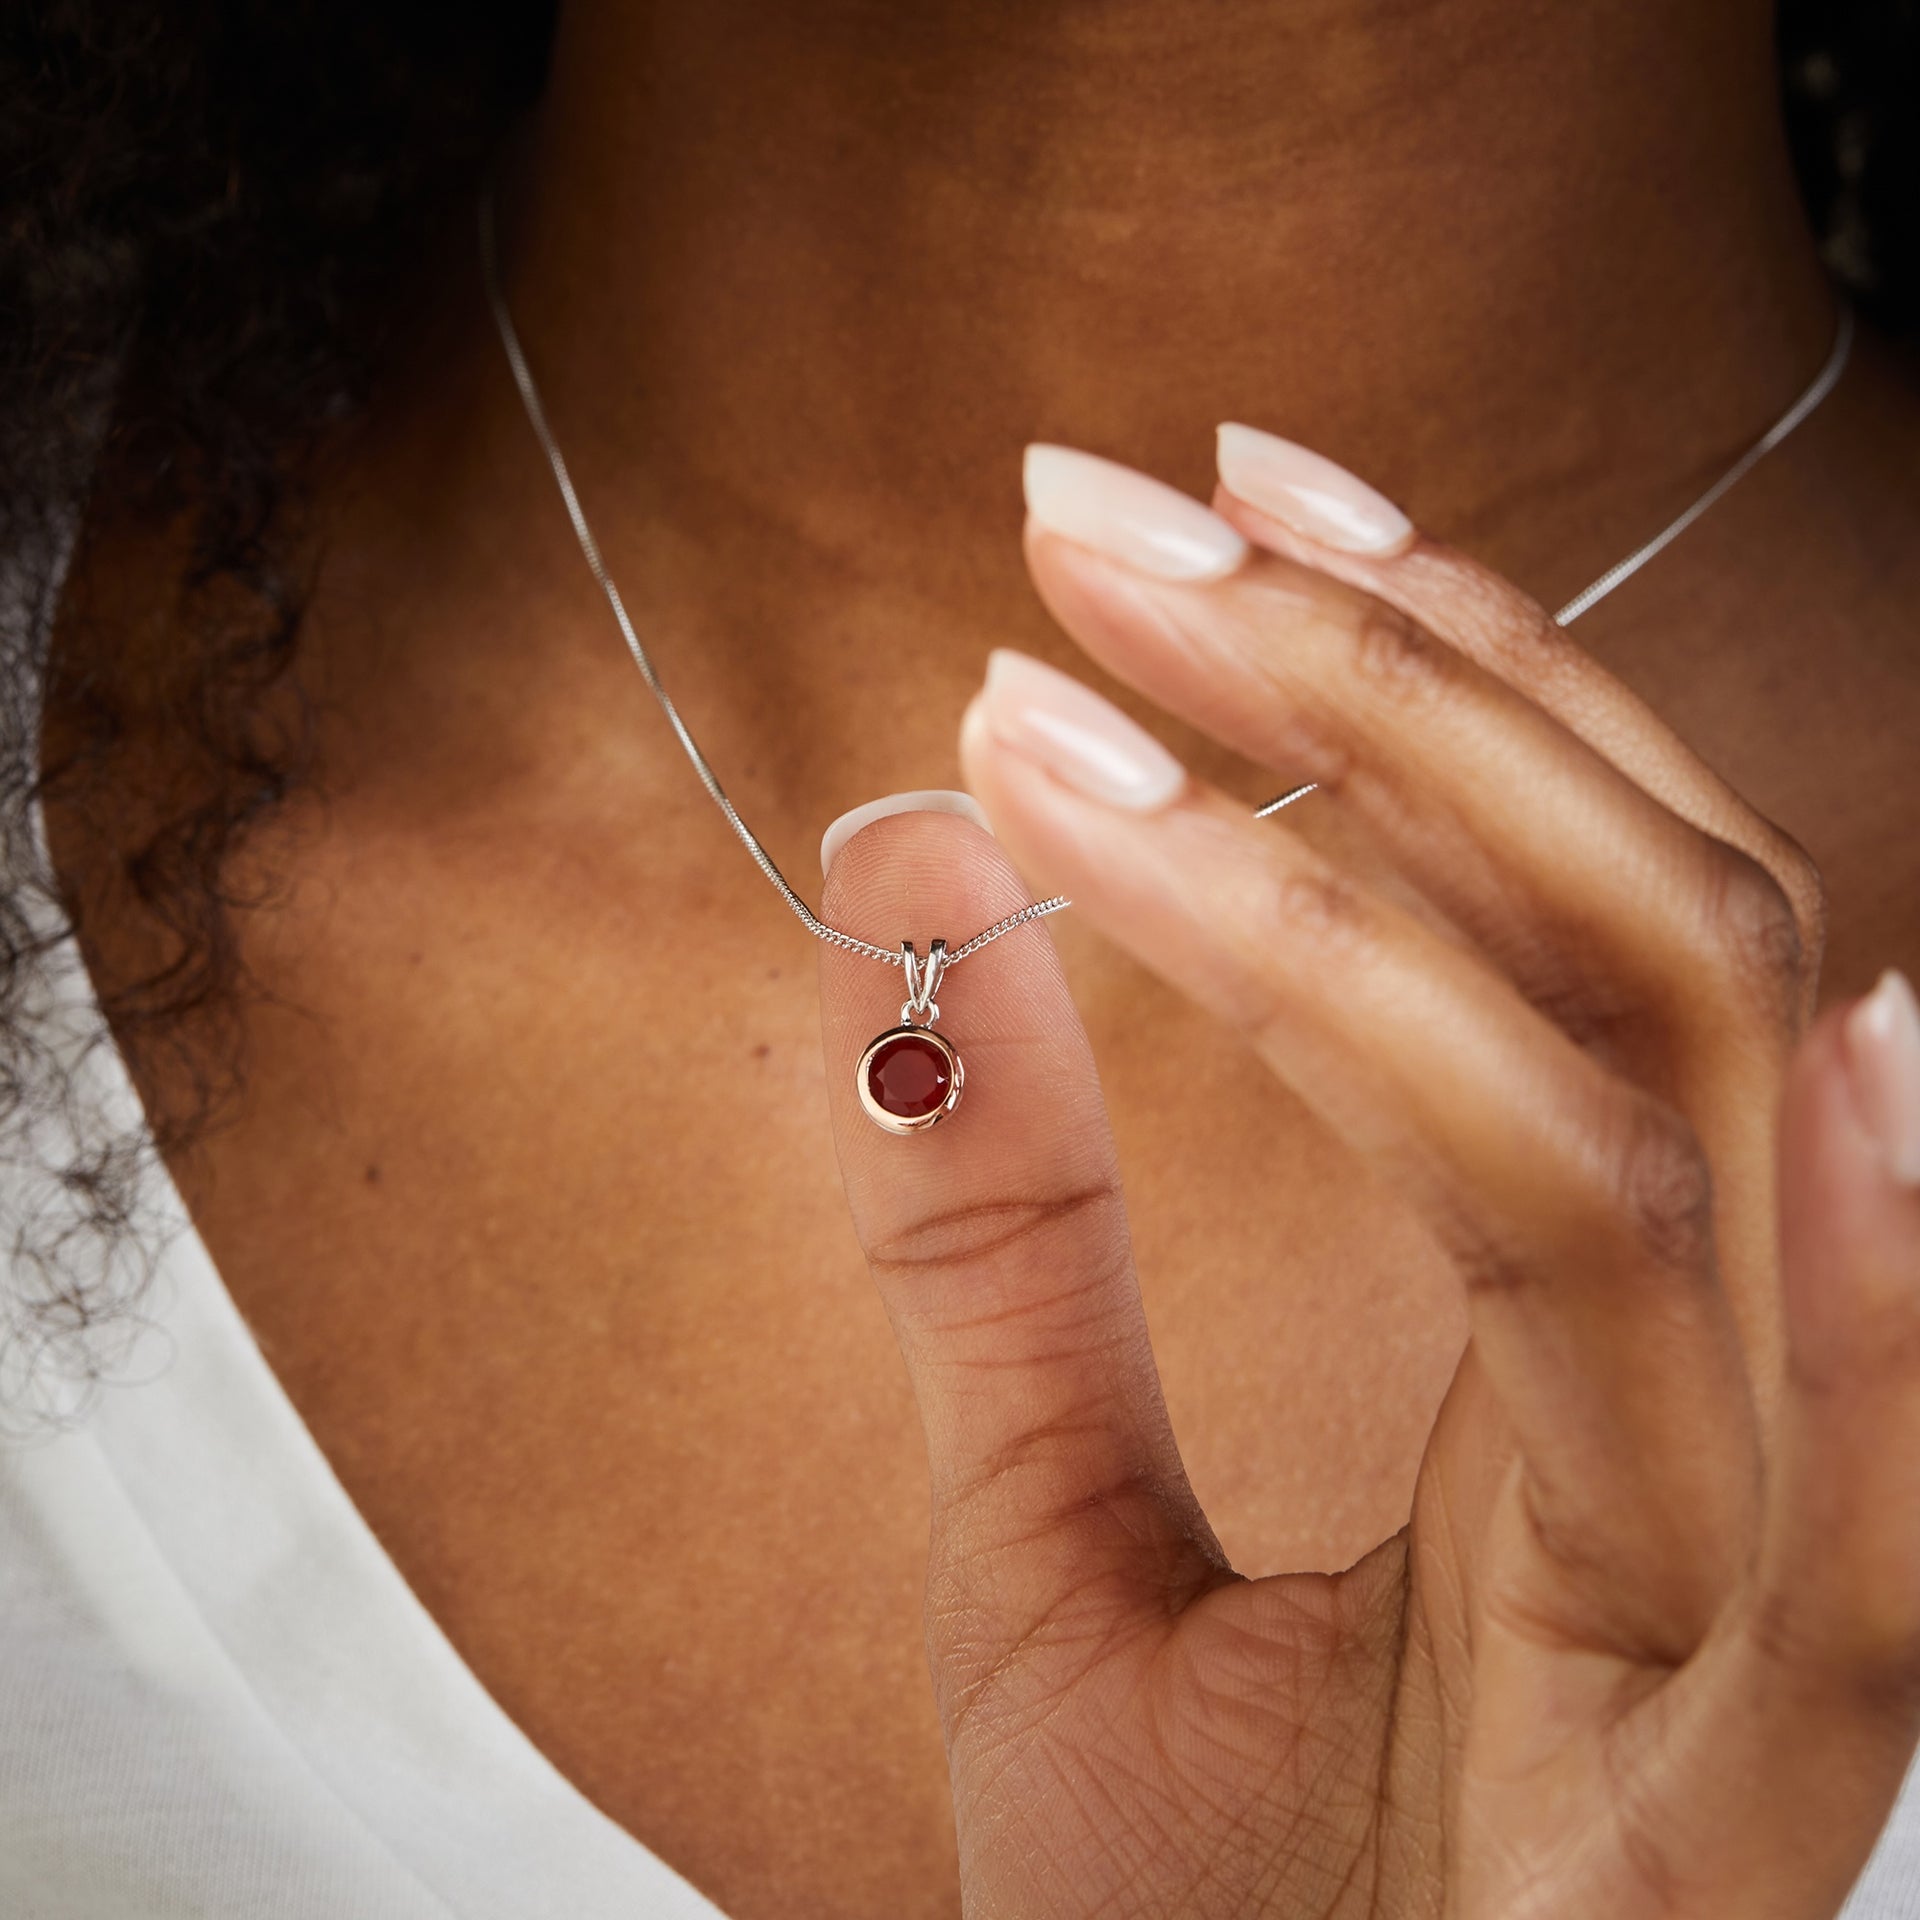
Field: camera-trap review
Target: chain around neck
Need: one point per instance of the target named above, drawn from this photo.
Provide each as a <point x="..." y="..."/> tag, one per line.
<point x="1822" y="384"/>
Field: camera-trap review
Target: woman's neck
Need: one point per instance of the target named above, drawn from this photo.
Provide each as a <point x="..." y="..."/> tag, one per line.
<point x="1533" y="269"/>
<point x="799" y="283"/>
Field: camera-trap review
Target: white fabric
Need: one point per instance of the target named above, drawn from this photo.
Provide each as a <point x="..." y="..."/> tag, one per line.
<point x="219" y="1700"/>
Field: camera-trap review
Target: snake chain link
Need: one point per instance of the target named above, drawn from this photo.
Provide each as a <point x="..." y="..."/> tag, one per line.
<point x="1823" y="384"/>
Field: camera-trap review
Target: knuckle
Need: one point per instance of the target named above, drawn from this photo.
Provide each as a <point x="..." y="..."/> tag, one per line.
<point x="1800" y="879"/>
<point x="1047" y="1476"/>
<point x="1659" y="1186"/>
<point x="1482" y="1261"/>
<point x="1602" y="1015"/>
<point x="1397" y="656"/>
<point x="1764" y="930"/>
<point x="1324" y="905"/>
<point x="989" y="1232"/>
<point x="1806" y="893"/>
<point x="1310" y="909"/>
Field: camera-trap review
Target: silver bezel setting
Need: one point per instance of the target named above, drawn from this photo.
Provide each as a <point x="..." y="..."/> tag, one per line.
<point x="919" y="1122"/>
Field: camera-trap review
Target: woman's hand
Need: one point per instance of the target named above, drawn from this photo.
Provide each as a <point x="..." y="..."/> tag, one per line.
<point x="1651" y="1642"/>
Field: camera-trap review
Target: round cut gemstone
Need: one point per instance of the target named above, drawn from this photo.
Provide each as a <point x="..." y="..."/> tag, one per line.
<point x="909" y="1076"/>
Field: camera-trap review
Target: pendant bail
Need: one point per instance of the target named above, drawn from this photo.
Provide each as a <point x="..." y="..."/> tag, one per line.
<point x="923" y="982"/>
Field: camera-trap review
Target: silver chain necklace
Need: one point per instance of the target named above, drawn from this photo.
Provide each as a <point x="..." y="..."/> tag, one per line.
<point x="910" y="1077"/>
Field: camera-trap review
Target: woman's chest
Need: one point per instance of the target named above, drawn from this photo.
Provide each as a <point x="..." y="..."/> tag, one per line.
<point x="545" y="1239"/>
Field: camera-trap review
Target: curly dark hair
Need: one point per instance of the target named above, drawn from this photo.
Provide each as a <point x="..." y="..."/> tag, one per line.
<point x="207" y="204"/>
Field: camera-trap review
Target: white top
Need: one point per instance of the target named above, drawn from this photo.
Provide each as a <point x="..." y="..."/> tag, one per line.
<point x="219" y="1699"/>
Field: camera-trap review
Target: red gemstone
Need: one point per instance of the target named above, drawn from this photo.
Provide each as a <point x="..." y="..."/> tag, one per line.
<point x="909" y="1076"/>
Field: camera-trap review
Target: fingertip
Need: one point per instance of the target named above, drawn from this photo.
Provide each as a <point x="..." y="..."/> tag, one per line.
<point x="1841" y="1560"/>
<point x="920" y="874"/>
<point x="1311" y="495"/>
<point x="976" y="742"/>
<point x="1849" y="1213"/>
<point x="1128" y="518"/>
<point x="1880" y="1041"/>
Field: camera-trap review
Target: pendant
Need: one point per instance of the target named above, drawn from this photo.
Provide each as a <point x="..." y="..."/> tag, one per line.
<point x="909" y="1078"/>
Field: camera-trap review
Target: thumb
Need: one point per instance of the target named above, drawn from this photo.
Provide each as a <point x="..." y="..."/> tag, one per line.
<point x="998" y="1240"/>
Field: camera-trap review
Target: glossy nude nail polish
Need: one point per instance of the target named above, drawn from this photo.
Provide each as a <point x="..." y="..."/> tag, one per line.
<point x="1085" y="742"/>
<point x="925" y="800"/>
<point x="1129" y="517"/>
<point x="1307" y="492"/>
<point x="1883" y="1058"/>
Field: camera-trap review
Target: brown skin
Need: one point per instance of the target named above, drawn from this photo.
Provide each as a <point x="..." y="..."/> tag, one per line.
<point x="533" y="1204"/>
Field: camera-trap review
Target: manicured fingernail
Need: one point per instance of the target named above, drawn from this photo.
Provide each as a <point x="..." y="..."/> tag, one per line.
<point x="1883" y="1054"/>
<point x="929" y="800"/>
<point x="1309" y="493"/>
<point x="1128" y="516"/>
<point x="1085" y="742"/>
